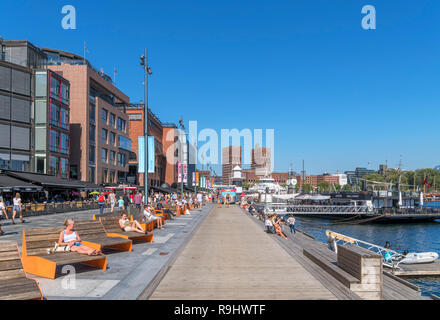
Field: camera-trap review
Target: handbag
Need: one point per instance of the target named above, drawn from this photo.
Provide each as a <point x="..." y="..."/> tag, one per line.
<point x="58" y="248"/>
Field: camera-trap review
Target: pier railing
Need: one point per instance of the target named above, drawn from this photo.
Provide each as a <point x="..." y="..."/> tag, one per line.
<point x="308" y="209"/>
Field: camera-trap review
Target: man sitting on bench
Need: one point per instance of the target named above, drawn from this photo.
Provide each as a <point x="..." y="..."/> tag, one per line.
<point x="129" y="226"/>
<point x="70" y="238"/>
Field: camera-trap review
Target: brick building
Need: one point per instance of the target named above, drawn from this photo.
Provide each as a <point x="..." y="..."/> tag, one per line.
<point x="231" y="157"/>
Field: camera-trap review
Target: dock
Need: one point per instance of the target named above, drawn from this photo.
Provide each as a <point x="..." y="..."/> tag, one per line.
<point x="418" y="270"/>
<point x="231" y="257"/>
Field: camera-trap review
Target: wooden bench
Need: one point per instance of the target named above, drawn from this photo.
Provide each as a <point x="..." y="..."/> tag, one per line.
<point x="325" y="260"/>
<point x="164" y="216"/>
<point x="112" y="228"/>
<point x="36" y="259"/>
<point x="14" y="284"/>
<point x="93" y="234"/>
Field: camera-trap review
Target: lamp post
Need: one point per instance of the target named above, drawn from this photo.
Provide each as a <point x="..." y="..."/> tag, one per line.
<point x="147" y="72"/>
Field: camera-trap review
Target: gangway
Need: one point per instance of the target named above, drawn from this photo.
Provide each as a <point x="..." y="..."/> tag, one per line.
<point x="391" y="258"/>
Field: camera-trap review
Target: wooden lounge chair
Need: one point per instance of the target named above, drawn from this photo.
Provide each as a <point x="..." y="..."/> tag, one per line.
<point x="93" y="234"/>
<point x="112" y="228"/>
<point x="160" y="213"/>
<point x="36" y="259"/>
<point x="14" y="284"/>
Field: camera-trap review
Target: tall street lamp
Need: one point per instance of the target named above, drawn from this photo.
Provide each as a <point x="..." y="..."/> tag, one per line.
<point x="147" y="72"/>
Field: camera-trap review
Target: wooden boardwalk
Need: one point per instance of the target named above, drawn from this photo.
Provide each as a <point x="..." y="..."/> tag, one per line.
<point x="230" y="257"/>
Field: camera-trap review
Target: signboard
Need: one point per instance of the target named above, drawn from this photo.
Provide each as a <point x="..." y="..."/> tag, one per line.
<point x="141" y="155"/>
<point x="179" y="171"/>
<point x="193" y="178"/>
<point x="135" y="116"/>
<point x="185" y="173"/>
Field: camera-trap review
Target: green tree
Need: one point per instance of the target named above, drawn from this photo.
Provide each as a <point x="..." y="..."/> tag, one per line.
<point x="307" y="188"/>
<point x="347" y="187"/>
<point x="324" y="186"/>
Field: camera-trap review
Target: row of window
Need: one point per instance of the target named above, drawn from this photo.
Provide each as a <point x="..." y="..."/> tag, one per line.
<point x="122" y="158"/>
<point x="59" y="167"/>
<point x="122" y="124"/>
<point x="59" y="142"/>
<point x="16" y="162"/>
<point x="108" y="176"/>
<point x="59" y="117"/>
<point x="59" y="90"/>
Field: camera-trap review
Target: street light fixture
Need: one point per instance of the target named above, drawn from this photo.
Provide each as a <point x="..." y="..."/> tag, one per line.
<point x="147" y="72"/>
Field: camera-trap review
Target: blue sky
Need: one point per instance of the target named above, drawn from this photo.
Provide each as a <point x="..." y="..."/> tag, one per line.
<point x="337" y="96"/>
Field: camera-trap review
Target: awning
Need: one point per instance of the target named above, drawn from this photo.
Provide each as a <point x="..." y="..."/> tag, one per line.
<point x="160" y="189"/>
<point x="88" y="186"/>
<point x="45" y="181"/>
<point x="317" y="197"/>
<point x="10" y="184"/>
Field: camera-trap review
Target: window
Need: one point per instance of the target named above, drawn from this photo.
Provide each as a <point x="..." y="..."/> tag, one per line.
<point x="92" y="113"/>
<point x="104" y="155"/>
<point x="4" y="160"/>
<point x="54" y="164"/>
<point x="121" y="124"/>
<point x="64" y="168"/>
<point x="104" y="136"/>
<point x="91" y="174"/>
<point x="92" y="155"/>
<point x="112" y="157"/>
<point x="112" y="120"/>
<point x="104" y="176"/>
<point x="55" y="88"/>
<point x="19" y="162"/>
<point x="104" y="116"/>
<point x="121" y="160"/>
<point x="111" y="177"/>
<point x="54" y="115"/>
<point x="124" y="143"/>
<point x="64" y="143"/>
<point x="65" y="93"/>
<point x="112" y="139"/>
<point x="64" y="118"/>
<point x="92" y="134"/>
<point x="54" y="141"/>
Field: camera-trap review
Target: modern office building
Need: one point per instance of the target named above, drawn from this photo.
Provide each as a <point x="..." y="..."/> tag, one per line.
<point x="17" y="62"/>
<point x="52" y="124"/>
<point x="231" y="157"/>
<point x="99" y="127"/>
<point x="159" y="131"/>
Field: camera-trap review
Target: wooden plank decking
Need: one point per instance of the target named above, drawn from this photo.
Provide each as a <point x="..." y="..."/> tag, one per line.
<point x="230" y="257"/>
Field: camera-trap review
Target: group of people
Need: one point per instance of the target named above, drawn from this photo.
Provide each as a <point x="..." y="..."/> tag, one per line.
<point x="273" y="225"/>
<point x="16" y="208"/>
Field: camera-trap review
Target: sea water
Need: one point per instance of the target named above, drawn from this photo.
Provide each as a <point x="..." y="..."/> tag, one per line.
<point x="415" y="237"/>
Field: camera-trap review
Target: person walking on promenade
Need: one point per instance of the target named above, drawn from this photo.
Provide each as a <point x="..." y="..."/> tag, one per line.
<point x="291" y="222"/>
<point x="101" y="202"/>
<point x="17" y="208"/>
<point x="227" y="198"/>
<point x="69" y="237"/>
<point x="121" y="204"/>
<point x="219" y="201"/>
<point x="138" y="201"/>
<point x="126" y="201"/>
<point x="3" y="208"/>
<point x="112" y="199"/>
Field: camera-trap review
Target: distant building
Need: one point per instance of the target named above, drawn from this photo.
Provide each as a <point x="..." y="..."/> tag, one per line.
<point x="260" y="161"/>
<point x="231" y="157"/>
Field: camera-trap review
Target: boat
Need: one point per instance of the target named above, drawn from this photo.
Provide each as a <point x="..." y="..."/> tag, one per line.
<point x="267" y="184"/>
<point x="391" y="258"/>
<point x="416" y="258"/>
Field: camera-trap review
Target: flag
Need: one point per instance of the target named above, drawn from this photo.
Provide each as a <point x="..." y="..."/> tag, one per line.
<point x="426" y="183"/>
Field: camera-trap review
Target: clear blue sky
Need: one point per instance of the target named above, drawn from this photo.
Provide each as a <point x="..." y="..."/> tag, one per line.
<point x="337" y="96"/>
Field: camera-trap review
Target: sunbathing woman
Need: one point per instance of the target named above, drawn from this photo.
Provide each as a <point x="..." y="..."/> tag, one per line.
<point x="128" y="226"/>
<point x="70" y="238"/>
<point x="278" y="229"/>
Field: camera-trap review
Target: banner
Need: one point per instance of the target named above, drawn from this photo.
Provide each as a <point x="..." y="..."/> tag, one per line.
<point x="185" y="173"/>
<point x="194" y="179"/>
<point x="179" y="171"/>
<point x="141" y="155"/>
<point x="197" y="179"/>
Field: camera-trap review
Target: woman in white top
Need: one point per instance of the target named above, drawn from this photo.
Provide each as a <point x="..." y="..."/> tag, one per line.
<point x="17" y="208"/>
<point x="3" y="208"/>
<point x="69" y="237"/>
<point x="149" y="216"/>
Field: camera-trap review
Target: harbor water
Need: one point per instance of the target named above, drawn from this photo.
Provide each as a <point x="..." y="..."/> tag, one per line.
<point x="421" y="237"/>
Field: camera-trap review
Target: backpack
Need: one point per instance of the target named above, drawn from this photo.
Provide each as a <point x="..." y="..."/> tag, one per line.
<point x="101" y="199"/>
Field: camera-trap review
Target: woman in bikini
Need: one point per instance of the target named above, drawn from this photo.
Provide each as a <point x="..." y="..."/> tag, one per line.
<point x="69" y="237"/>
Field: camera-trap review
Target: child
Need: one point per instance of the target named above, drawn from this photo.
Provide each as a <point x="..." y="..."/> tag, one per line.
<point x="121" y="203"/>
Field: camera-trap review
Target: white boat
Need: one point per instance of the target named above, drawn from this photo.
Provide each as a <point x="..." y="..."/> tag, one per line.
<point x="423" y="257"/>
<point x="267" y="182"/>
<point x="391" y="258"/>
